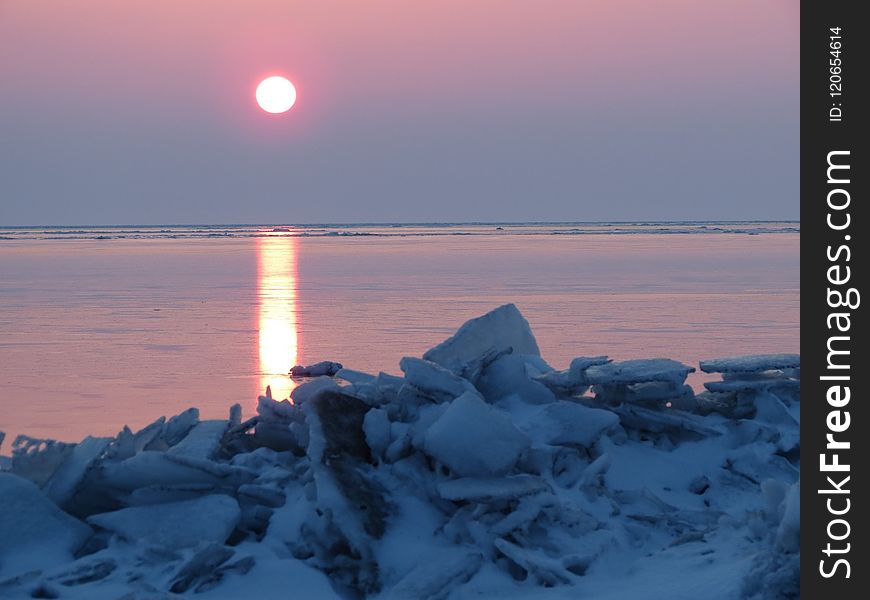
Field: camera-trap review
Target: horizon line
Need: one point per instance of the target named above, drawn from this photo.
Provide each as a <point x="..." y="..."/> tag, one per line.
<point x="407" y="223"/>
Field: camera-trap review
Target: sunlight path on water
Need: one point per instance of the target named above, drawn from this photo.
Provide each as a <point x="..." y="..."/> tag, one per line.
<point x="277" y="316"/>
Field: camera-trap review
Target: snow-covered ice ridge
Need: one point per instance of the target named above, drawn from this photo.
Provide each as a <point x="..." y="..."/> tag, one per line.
<point x="481" y="472"/>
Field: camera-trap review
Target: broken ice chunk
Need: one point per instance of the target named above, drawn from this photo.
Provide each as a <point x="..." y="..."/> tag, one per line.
<point x="427" y="416"/>
<point x="656" y="381"/>
<point x="362" y="385"/>
<point x="175" y="524"/>
<point x="643" y="419"/>
<point x="742" y="395"/>
<point x="202" y="441"/>
<point x="752" y="363"/>
<point x="498" y="331"/>
<point x="356" y="377"/>
<point x="127" y="443"/>
<point x="753" y="385"/>
<point x="715" y="402"/>
<point x="326" y="367"/>
<point x="66" y="479"/>
<point x="652" y="391"/>
<point x="280" y="426"/>
<point x="309" y="389"/>
<point x="433" y="380"/>
<point x="569" y="423"/>
<point x="473" y="438"/>
<point x="581" y="363"/>
<point x="376" y="426"/>
<point x="639" y="371"/>
<point x="37" y="459"/>
<point x="515" y="374"/>
<point x="572" y="381"/>
<point x="161" y="468"/>
<point x="178" y="426"/>
<point x="34" y="532"/>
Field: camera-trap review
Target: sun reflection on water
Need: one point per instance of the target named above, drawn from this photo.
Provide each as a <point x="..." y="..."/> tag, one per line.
<point x="276" y="303"/>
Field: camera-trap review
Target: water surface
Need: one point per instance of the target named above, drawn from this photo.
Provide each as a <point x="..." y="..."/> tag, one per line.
<point x="105" y="326"/>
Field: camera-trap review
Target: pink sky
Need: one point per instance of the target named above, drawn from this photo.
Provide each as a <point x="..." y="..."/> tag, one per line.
<point x="381" y="82"/>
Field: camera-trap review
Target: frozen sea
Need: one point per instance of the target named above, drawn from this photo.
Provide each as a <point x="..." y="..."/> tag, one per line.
<point x="101" y="326"/>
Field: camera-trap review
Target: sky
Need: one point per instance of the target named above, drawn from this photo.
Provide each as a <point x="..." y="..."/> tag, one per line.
<point x="426" y="111"/>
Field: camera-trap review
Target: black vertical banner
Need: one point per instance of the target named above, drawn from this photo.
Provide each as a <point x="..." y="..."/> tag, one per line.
<point x="835" y="433"/>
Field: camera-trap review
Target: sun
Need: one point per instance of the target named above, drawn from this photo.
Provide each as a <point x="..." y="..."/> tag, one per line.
<point x="276" y="94"/>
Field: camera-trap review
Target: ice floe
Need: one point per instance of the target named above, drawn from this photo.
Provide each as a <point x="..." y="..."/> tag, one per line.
<point x="326" y="367"/>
